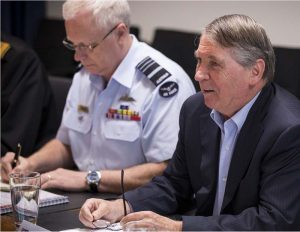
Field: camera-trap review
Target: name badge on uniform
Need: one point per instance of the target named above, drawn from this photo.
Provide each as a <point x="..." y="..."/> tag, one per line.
<point x="83" y="109"/>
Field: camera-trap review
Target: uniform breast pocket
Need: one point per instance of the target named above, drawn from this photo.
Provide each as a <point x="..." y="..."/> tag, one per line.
<point x="79" y="122"/>
<point x="122" y="130"/>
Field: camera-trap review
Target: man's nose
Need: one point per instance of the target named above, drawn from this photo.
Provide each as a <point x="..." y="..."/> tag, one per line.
<point x="201" y="74"/>
<point x="79" y="55"/>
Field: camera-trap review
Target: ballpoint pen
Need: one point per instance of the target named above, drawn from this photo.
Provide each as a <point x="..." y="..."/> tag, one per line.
<point x="18" y="153"/>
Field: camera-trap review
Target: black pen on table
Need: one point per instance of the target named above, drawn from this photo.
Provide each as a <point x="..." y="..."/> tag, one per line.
<point x="17" y="155"/>
<point x="123" y="196"/>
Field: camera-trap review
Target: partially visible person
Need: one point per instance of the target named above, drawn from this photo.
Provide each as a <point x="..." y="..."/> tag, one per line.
<point x="27" y="103"/>
<point x="122" y="109"/>
<point x="238" y="153"/>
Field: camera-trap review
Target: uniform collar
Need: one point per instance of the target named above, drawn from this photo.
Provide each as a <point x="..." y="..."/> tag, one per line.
<point x="125" y="72"/>
<point x="99" y="83"/>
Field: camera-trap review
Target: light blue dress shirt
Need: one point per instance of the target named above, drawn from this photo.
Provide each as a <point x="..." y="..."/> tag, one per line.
<point x="229" y="132"/>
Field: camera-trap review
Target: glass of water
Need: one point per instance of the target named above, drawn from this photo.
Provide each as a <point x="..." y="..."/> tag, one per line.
<point x="24" y="188"/>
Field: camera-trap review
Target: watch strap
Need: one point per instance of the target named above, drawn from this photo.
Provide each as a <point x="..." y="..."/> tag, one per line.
<point x="93" y="187"/>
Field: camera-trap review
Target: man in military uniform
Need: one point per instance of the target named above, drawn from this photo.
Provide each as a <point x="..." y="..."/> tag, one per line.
<point x="27" y="103"/>
<point x="122" y="109"/>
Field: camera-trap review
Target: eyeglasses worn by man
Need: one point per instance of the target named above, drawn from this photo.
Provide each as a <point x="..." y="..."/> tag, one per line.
<point x="238" y="154"/>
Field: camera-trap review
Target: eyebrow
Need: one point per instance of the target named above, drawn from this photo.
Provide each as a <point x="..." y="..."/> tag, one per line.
<point x="210" y="57"/>
<point x="214" y="58"/>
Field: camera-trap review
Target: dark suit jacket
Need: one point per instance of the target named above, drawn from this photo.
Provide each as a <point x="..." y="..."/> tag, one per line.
<point x="263" y="184"/>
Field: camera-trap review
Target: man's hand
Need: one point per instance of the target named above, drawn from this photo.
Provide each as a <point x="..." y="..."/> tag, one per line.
<point x="64" y="179"/>
<point x="6" y="165"/>
<point x="94" y="209"/>
<point x="150" y="220"/>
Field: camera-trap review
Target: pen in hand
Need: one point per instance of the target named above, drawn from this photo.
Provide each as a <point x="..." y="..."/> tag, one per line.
<point x="18" y="153"/>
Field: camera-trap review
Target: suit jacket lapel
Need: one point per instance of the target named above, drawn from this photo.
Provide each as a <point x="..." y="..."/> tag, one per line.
<point x="246" y="144"/>
<point x="209" y="146"/>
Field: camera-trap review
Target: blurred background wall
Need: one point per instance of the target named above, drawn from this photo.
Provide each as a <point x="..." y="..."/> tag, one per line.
<point x="169" y="26"/>
<point x="281" y="19"/>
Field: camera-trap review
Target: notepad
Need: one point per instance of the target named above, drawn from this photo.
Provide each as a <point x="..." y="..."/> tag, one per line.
<point x="45" y="199"/>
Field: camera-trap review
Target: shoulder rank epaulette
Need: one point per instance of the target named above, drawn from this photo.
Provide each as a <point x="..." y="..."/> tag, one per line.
<point x="4" y="48"/>
<point x="156" y="73"/>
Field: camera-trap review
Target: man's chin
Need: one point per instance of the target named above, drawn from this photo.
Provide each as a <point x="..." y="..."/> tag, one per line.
<point x="209" y="103"/>
<point x="91" y="70"/>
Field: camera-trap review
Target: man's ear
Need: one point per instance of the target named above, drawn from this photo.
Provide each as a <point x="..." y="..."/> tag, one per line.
<point x="122" y="30"/>
<point x="257" y="71"/>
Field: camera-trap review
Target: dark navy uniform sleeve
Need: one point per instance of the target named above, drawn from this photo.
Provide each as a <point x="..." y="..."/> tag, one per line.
<point x="27" y="103"/>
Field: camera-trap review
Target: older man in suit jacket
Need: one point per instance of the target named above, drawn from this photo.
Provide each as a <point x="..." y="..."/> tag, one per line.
<point x="238" y="153"/>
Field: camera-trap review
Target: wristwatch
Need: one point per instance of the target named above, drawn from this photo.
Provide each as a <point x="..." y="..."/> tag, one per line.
<point x="93" y="180"/>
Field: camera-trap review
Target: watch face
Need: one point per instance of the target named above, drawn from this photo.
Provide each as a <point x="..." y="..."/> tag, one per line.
<point x="93" y="177"/>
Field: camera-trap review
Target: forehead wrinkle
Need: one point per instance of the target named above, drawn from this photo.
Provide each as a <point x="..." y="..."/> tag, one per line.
<point x="80" y="28"/>
<point x="199" y="54"/>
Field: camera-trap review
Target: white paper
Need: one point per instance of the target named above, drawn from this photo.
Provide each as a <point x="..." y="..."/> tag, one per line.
<point x="28" y="226"/>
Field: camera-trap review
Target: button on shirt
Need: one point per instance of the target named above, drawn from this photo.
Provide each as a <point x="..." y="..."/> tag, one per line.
<point x="229" y="133"/>
<point x="98" y="142"/>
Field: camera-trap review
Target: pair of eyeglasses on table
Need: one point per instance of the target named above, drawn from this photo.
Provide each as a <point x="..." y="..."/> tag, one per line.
<point x="103" y="224"/>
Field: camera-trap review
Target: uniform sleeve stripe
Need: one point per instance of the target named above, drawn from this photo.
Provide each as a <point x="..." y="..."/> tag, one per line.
<point x="154" y="71"/>
<point x="143" y="62"/>
<point x="160" y="76"/>
<point x="150" y="69"/>
<point x="147" y="65"/>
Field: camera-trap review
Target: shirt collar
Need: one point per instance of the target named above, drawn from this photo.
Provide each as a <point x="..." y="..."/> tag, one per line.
<point x="238" y="118"/>
<point x="99" y="83"/>
<point x="125" y="72"/>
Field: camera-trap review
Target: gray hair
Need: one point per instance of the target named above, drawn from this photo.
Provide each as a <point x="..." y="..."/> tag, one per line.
<point x="247" y="39"/>
<point x="106" y="13"/>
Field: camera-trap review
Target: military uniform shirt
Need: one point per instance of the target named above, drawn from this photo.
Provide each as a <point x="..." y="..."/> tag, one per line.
<point x="146" y="83"/>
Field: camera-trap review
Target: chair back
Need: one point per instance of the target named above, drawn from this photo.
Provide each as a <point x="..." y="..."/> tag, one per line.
<point x="287" y="69"/>
<point x="57" y="59"/>
<point x="60" y="87"/>
<point x="178" y="46"/>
